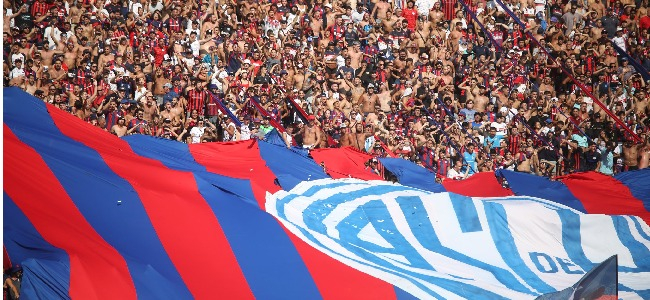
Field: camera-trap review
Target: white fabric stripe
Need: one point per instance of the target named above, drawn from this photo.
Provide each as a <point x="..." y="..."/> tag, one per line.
<point x="636" y="281"/>
<point x="547" y="241"/>
<point x="600" y="240"/>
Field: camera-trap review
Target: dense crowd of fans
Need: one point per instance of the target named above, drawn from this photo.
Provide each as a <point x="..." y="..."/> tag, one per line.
<point x="456" y="86"/>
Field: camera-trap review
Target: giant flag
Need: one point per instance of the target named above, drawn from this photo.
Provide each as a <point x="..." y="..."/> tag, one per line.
<point x="90" y="215"/>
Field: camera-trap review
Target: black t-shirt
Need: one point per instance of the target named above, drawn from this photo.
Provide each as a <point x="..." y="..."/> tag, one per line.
<point x="547" y="154"/>
<point x="225" y="29"/>
<point x="24" y="20"/>
<point x="591" y="160"/>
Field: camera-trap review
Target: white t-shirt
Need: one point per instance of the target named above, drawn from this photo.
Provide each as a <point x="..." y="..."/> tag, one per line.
<point x="17" y="56"/>
<point x="502" y="128"/>
<point x="453" y="174"/>
<point x="620" y="41"/>
<point x="135" y="7"/>
<point x="424" y="6"/>
<point x="196" y="134"/>
<point x="15" y="73"/>
<point x="245" y="132"/>
<point x="357" y="17"/>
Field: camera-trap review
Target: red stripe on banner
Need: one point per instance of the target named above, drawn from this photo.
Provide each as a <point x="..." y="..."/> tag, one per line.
<point x="344" y="163"/>
<point x="335" y="280"/>
<point x="483" y="184"/>
<point x="97" y="270"/>
<point x="238" y="160"/>
<point x="184" y="222"/>
<point x="602" y="194"/>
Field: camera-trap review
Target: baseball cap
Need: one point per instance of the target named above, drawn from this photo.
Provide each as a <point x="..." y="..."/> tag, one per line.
<point x="247" y="61"/>
<point x="169" y="85"/>
<point x="311" y="117"/>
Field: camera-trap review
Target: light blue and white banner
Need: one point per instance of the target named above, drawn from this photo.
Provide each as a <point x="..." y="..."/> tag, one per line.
<point x="447" y="246"/>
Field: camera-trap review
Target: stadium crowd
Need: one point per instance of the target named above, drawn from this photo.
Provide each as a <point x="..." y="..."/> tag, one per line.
<point x="456" y="86"/>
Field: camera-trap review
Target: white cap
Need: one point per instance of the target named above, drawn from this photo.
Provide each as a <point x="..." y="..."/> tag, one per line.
<point x="247" y="61"/>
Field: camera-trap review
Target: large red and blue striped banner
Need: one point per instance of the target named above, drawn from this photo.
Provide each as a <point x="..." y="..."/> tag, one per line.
<point x="90" y="215"/>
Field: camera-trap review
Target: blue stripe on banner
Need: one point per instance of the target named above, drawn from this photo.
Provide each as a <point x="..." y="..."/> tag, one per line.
<point x="637" y="182"/>
<point x="536" y="186"/>
<point x="272" y="266"/>
<point x="127" y="230"/>
<point x="400" y="294"/>
<point x="641" y="255"/>
<point x="290" y="167"/>
<point x="637" y="225"/>
<point x="18" y="233"/>
<point x="504" y="241"/>
<point x="427" y="236"/>
<point x="466" y="212"/>
<point x="572" y="241"/>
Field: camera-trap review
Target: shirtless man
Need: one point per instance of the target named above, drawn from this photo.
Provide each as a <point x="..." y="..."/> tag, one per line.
<point x="120" y="128"/>
<point x="422" y="33"/>
<point x="357" y="90"/>
<point x="369" y="101"/>
<point x="480" y="99"/>
<point x="381" y="9"/>
<point x="105" y="57"/>
<point x="150" y="108"/>
<point x="167" y="113"/>
<point x="454" y="36"/>
<point x="358" y="137"/>
<point x="316" y="23"/>
<point x="640" y="102"/>
<point x="347" y="138"/>
<point x="57" y="72"/>
<point x="644" y="156"/>
<point x="355" y="54"/>
<point x="311" y="134"/>
<point x="159" y="82"/>
<point x="436" y="14"/>
<point x="631" y="155"/>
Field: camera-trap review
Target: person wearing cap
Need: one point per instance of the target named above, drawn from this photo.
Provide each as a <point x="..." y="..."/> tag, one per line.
<point x="169" y="93"/>
<point x="620" y="39"/>
<point x="12" y="282"/>
<point x="17" y="74"/>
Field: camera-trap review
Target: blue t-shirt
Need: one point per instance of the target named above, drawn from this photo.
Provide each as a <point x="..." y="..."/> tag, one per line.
<point x="470" y="160"/>
<point x="606" y="162"/>
<point x="469" y="114"/>
<point x="496" y="140"/>
<point x="169" y="96"/>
